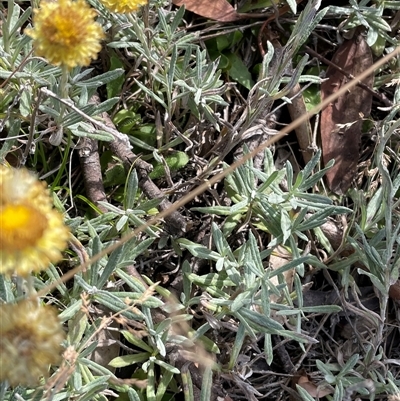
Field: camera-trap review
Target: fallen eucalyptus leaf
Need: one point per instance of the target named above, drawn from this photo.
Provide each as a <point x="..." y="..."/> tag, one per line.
<point x="341" y="121"/>
<point x="219" y="10"/>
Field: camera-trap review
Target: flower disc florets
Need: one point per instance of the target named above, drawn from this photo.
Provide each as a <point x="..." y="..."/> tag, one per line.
<point x="30" y="341"/>
<point x="65" y="33"/>
<point x="32" y="233"/>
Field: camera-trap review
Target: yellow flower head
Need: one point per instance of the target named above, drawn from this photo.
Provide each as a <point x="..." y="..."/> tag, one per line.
<point x="124" y="6"/>
<point x="65" y="33"/>
<point x="30" y="341"/>
<point x="32" y="233"/>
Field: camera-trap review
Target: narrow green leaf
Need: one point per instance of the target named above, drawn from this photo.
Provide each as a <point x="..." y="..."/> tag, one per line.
<point x="163" y="384"/>
<point x="110" y="267"/>
<point x="268" y="349"/>
<point x="167" y="366"/>
<point x="151" y="383"/>
<point x="349" y="365"/>
<point x="237" y="346"/>
<point x="304" y="393"/>
<point x="136" y="341"/>
<point x="127" y="360"/>
<point x="133" y="395"/>
<point x="206" y="385"/>
<point x="187" y="382"/>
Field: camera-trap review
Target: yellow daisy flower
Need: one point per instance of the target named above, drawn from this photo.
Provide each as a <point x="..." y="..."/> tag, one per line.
<point x="32" y="233"/>
<point x="124" y="6"/>
<point x="30" y="341"/>
<point x="65" y="33"/>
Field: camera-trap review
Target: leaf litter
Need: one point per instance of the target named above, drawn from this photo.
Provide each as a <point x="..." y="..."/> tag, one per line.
<point x="341" y="121"/>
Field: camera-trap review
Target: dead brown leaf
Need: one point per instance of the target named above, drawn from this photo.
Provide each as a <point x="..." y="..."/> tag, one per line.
<point x="219" y="10"/>
<point x="341" y="121"/>
<point x="394" y="291"/>
<point x="312" y="389"/>
<point x="280" y="257"/>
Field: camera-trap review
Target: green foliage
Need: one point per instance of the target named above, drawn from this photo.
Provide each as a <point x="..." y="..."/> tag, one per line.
<point x="174" y="162"/>
<point x="114" y="87"/>
<point x="167" y="90"/>
<point x="370" y="17"/>
<point x="230" y="62"/>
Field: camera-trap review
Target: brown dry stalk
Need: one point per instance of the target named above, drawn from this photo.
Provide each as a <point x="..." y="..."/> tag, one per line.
<point x="208" y="183"/>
